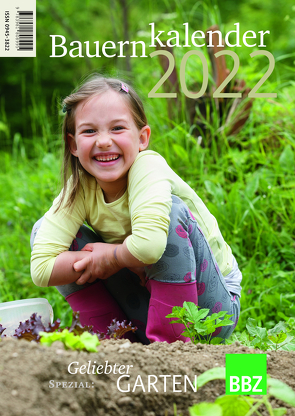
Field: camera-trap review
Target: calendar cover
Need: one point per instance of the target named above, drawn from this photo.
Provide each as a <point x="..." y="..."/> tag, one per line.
<point x="216" y="80"/>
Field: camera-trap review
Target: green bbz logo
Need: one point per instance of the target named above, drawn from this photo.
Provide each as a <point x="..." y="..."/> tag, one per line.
<point x="245" y="374"/>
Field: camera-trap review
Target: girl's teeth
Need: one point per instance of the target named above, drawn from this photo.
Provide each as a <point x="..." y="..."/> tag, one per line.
<point x="107" y="158"/>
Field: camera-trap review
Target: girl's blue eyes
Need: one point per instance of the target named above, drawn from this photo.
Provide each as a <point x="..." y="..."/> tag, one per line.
<point x="90" y="131"/>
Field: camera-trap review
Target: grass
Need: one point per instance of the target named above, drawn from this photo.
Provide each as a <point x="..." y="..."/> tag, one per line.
<point x="27" y="189"/>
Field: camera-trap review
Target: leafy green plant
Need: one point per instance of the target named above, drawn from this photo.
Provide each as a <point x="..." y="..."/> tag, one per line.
<point x="85" y="341"/>
<point x="239" y="405"/>
<point x="281" y="336"/>
<point x="198" y="326"/>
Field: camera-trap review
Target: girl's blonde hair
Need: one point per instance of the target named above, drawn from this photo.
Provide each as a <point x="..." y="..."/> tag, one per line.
<point x="94" y="85"/>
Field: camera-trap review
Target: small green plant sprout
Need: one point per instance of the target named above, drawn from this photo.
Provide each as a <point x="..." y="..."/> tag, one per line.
<point x="238" y="405"/>
<point x="281" y="336"/>
<point x="85" y="341"/>
<point x="198" y="326"/>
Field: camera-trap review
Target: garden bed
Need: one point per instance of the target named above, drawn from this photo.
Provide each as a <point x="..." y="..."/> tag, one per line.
<point x="29" y="374"/>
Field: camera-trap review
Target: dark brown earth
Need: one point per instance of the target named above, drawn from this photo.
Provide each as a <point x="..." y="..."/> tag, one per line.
<point x="27" y="370"/>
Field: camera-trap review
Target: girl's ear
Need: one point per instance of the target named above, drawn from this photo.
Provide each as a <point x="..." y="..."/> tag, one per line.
<point x="144" y="137"/>
<point x="72" y="144"/>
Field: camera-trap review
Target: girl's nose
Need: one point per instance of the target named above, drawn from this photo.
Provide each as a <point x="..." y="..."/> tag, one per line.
<point x="103" y="140"/>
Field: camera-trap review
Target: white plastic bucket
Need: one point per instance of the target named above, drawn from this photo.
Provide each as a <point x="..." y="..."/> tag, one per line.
<point x="12" y="313"/>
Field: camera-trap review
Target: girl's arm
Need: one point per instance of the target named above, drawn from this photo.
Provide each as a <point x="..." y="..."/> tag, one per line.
<point x="125" y="258"/>
<point x="63" y="271"/>
<point x="50" y="268"/>
<point x="51" y="263"/>
<point x="104" y="260"/>
<point x="150" y="185"/>
<point x="81" y="267"/>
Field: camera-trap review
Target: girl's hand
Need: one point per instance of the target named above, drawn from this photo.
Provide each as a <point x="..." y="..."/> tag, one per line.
<point x="99" y="264"/>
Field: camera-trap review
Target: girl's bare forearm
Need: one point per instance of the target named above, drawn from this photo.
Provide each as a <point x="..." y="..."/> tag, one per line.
<point x="63" y="271"/>
<point x="125" y="258"/>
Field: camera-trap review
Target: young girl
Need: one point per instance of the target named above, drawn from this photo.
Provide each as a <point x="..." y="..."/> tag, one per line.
<point x="145" y="218"/>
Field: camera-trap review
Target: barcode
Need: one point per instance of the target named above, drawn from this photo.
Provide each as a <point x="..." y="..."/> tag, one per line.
<point x="24" y="30"/>
<point x="18" y="28"/>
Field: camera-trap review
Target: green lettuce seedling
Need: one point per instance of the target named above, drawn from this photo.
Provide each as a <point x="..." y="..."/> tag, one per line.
<point x="85" y="341"/>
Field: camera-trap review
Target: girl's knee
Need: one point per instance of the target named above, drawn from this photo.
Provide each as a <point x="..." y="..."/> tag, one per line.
<point x="182" y="222"/>
<point x="180" y="212"/>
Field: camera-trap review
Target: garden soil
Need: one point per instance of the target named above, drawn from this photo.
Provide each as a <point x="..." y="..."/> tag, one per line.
<point x="30" y="373"/>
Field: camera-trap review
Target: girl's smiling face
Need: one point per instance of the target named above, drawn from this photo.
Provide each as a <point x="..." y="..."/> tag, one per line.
<point x="107" y="141"/>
